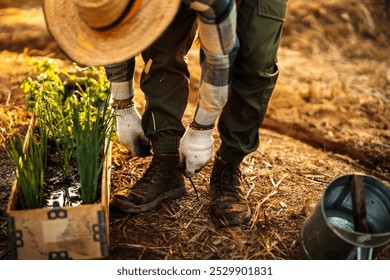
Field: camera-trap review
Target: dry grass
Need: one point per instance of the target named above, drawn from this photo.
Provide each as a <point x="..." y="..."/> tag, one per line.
<point x="328" y="66"/>
<point x="284" y="180"/>
<point x="343" y="27"/>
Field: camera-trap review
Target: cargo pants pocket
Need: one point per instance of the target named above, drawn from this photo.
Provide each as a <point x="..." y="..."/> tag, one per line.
<point x="274" y="9"/>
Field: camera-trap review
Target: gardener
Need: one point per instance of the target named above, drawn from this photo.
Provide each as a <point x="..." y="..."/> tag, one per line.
<point x="165" y="84"/>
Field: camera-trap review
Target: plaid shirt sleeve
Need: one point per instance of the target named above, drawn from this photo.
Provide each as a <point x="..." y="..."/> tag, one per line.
<point x="219" y="46"/>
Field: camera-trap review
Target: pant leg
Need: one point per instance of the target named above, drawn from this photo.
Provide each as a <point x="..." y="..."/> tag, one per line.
<point x="122" y="74"/>
<point x="259" y="28"/>
<point x="165" y="81"/>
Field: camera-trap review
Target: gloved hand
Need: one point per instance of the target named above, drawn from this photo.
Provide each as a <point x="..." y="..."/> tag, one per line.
<point x="196" y="149"/>
<point x="130" y="132"/>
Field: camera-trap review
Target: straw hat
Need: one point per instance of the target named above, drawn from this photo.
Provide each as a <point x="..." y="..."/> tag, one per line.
<point x="102" y="32"/>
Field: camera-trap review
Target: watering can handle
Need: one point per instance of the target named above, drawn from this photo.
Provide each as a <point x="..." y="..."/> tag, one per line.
<point x="364" y="253"/>
<point x="358" y="202"/>
<point x="356" y="184"/>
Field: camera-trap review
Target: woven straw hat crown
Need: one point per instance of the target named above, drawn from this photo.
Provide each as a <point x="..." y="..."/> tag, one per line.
<point x="103" y="32"/>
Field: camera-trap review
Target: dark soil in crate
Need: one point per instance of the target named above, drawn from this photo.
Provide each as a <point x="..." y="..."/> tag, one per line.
<point x="56" y="186"/>
<point x="64" y="191"/>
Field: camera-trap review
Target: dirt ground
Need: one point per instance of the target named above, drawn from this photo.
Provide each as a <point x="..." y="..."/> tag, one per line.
<point x="329" y="116"/>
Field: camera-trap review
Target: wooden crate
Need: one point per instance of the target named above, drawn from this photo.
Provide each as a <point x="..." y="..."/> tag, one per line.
<point x="80" y="232"/>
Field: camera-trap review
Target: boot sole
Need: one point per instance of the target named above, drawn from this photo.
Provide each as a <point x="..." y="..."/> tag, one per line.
<point x="129" y="207"/>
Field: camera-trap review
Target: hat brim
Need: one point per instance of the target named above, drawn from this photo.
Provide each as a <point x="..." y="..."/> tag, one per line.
<point x="87" y="46"/>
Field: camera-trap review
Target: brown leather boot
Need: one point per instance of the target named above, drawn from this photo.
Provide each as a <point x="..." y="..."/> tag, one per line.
<point x="229" y="206"/>
<point x="162" y="180"/>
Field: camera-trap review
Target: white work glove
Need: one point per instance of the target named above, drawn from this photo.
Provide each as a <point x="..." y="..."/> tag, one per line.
<point x="196" y="149"/>
<point x="128" y="120"/>
<point x="130" y="132"/>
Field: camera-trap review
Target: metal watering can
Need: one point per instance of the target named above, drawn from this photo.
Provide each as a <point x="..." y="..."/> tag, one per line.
<point x="351" y="221"/>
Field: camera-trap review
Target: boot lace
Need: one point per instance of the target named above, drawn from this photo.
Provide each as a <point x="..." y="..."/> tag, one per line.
<point x="152" y="171"/>
<point x="227" y="178"/>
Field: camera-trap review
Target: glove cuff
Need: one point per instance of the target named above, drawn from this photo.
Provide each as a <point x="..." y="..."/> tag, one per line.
<point x="199" y="137"/>
<point x="130" y="111"/>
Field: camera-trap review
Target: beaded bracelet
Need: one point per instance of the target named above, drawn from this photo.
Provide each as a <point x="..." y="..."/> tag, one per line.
<point x="197" y="126"/>
<point x="117" y="104"/>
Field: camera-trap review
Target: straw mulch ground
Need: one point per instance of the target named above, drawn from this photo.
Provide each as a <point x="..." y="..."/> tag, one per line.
<point x="284" y="180"/>
<point x="329" y="116"/>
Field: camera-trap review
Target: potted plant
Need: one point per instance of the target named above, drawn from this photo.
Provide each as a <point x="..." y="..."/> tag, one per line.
<point x="58" y="207"/>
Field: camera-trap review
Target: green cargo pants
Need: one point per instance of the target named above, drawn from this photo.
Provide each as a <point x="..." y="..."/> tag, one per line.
<point x="165" y="83"/>
<point x="259" y="29"/>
